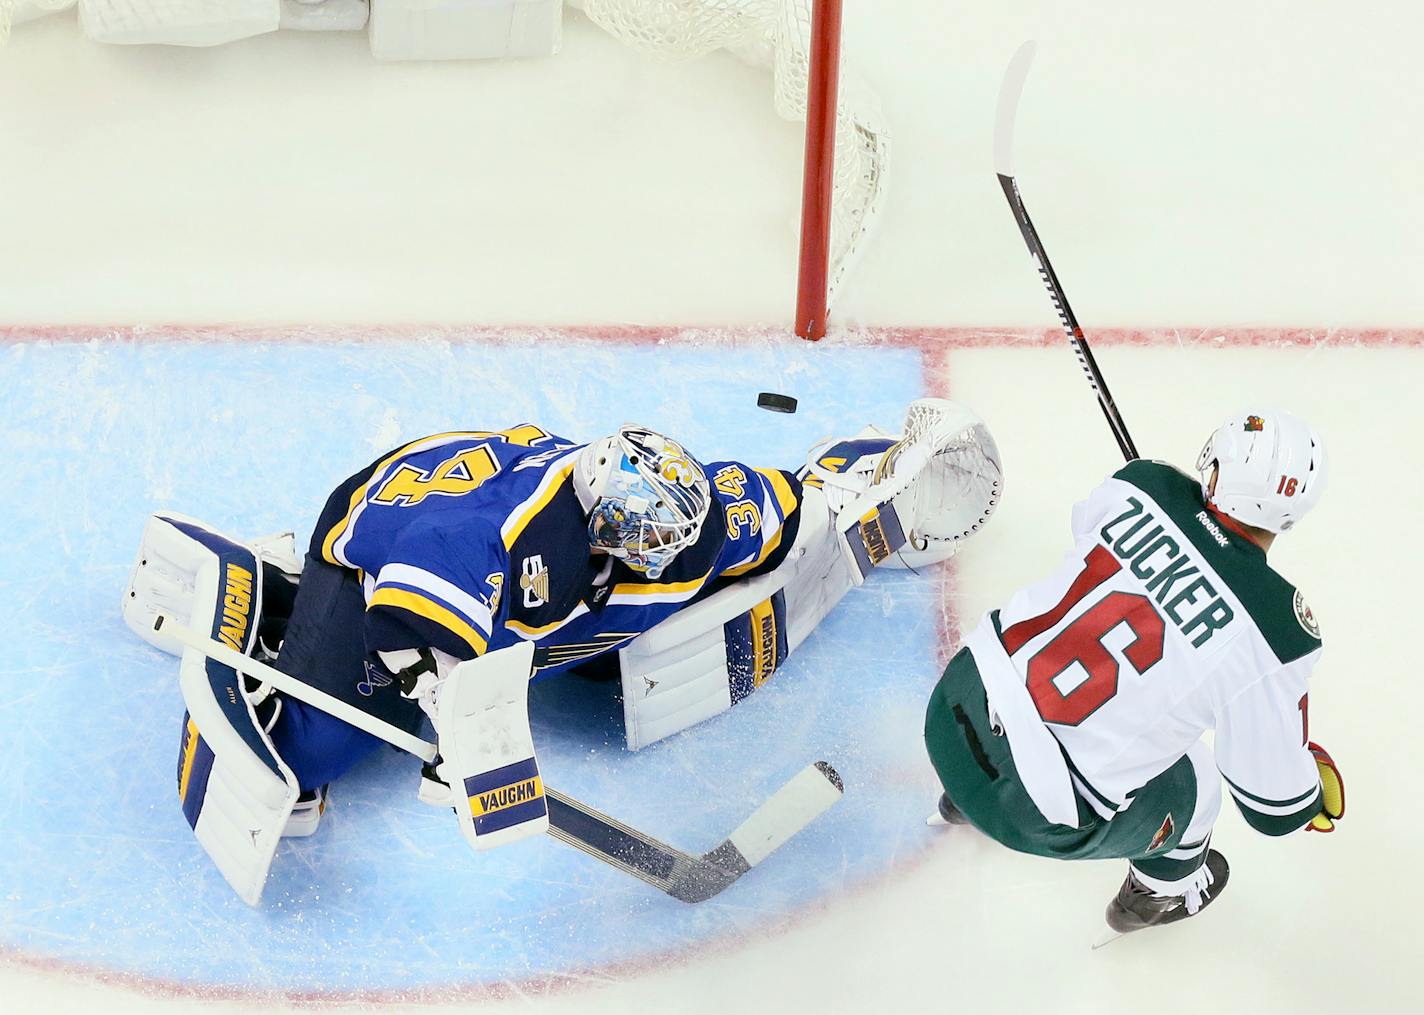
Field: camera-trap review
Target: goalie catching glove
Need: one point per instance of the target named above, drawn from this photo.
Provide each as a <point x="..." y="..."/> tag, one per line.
<point x="942" y="478"/>
<point x="1332" y="786"/>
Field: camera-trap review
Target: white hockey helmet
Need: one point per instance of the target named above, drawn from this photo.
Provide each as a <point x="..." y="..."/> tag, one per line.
<point x="1270" y="468"/>
<point x="650" y="497"/>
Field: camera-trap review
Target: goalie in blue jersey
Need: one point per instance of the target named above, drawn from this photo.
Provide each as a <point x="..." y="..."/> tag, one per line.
<point x="462" y="545"/>
<point x="465" y="543"/>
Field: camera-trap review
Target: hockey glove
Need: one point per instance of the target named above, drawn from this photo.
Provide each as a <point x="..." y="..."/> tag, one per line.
<point x="1333" y="785"/>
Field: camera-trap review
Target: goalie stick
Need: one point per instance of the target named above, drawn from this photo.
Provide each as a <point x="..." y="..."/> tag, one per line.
<point x="691" y="878"/>
<point x="683" y="876"/>
<point x="1009" y="94"/>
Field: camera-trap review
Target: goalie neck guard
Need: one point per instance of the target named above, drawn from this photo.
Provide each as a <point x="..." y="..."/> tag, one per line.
<point x="1270" y="469"/>
<point x="650" y="497"/>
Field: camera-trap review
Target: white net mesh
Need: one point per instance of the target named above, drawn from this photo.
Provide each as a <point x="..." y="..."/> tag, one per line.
<point x="951" y="496"/>
<point x="774" y="34"/>
<point x="944" y="475"/>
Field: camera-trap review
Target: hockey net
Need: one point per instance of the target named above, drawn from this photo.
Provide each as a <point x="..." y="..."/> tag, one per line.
<point x="780" y="35"/>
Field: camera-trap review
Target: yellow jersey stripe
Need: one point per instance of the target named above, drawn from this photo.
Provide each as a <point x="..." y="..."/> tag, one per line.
<point x="358" y="496"/>
<point x="779" y="486"/>
<point x="531" y="632"/>
<point x="413" y="602"/>
<point x="639" y="589"/>
<point x="526" y="512"/>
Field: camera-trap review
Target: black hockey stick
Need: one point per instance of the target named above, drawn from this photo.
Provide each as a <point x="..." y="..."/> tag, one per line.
<point x="1009" y="93"/>
<point x="683" y="876"/>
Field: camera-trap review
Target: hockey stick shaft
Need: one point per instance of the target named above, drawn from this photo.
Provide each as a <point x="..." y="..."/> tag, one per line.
<point x="1009" y="94"/>
<point x="683" y="876"/>
<point x="290" y="685"/>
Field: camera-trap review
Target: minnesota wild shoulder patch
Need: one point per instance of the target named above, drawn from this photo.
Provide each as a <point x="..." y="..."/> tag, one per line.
<point x="1306" y="618"/>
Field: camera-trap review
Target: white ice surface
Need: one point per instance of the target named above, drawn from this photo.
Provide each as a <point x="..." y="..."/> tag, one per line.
<point x="1204" y="166"/>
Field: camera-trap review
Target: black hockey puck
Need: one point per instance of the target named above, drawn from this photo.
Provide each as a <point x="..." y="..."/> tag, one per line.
<point x="776" y="403"/>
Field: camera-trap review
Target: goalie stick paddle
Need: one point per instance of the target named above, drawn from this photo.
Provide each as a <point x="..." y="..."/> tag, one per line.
<point x="689" y="878"/>
<point x="683" y="876"/>
<point x="1009" y="94"/>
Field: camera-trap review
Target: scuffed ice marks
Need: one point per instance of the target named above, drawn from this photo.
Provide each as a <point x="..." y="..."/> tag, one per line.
<point x="101" y="870"/>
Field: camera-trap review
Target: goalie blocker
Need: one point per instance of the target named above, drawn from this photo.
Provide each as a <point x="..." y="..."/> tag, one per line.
<point x="869" y="500"/>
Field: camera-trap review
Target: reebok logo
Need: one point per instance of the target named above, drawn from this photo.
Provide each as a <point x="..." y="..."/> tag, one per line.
<point x="1212" y="528"/>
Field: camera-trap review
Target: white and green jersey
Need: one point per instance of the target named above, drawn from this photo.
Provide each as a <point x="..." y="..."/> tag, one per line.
<point x="1162" y="623"/>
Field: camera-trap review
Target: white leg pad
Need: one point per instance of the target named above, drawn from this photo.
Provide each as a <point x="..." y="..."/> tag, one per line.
<point x="236" y="791"/>
<point x="706" y="658"/>
<point x="164" y="581"/>
<point x="482" y="718"/>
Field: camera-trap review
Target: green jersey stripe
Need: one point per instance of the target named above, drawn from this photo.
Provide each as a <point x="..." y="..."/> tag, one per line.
<point x="1267" y="801"/>
<point x="1280" y="824"/>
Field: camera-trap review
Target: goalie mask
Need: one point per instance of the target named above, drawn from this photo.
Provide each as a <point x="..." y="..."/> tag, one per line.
<point x="650" y="497"/>
<point x="1270" y="469"/>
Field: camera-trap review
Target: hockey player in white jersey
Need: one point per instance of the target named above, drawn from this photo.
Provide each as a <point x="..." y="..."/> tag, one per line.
<point x="1070" y="724"/>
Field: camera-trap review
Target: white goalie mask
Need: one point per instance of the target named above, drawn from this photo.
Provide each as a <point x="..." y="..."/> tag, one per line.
<point x="650" y="497"/>
<point x="1270" y="469"/>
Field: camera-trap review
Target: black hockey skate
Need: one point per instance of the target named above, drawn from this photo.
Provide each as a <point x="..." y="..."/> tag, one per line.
<point x="1137" y="908"/>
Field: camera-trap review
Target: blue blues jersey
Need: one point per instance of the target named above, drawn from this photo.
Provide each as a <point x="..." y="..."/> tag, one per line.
<point x="468" y="542"/>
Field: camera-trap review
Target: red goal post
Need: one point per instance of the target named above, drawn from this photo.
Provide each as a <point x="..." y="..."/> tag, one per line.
<point x="847" y="145"/>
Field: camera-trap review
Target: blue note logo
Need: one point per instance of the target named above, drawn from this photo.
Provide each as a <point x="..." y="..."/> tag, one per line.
<point x="374" y="678"/>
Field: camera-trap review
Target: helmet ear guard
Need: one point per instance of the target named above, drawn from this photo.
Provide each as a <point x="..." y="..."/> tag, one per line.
<point x="1270" y="469"/>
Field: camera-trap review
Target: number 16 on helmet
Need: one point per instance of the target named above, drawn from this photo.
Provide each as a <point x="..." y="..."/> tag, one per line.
<point x="1270" y="468"/>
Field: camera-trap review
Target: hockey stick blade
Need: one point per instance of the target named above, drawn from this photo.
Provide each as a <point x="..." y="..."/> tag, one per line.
<point x="683" y="876"/>
<point x="1010" y="92"/>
